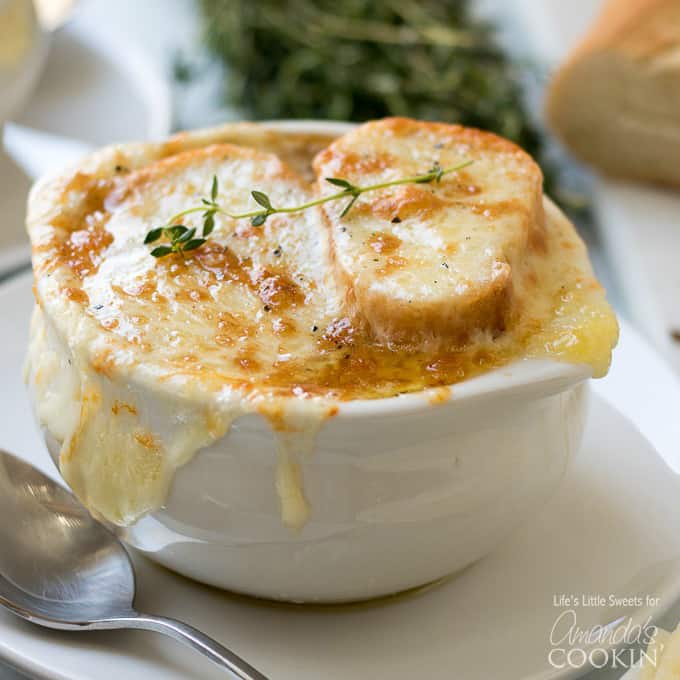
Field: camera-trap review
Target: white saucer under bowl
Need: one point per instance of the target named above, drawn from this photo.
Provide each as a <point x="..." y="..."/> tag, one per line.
<point x="612" y="529"/>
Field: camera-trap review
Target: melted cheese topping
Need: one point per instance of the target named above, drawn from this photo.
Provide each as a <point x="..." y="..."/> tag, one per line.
<point x="137" y="363"/>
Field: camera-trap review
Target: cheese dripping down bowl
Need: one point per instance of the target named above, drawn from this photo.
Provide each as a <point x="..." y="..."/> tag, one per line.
<point x="325" y="407"/>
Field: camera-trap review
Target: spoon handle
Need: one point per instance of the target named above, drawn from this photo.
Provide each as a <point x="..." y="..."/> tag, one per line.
<point x="199" y="641"/>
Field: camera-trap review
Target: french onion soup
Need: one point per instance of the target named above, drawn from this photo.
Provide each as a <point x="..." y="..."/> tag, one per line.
<point x="243" y="270"/>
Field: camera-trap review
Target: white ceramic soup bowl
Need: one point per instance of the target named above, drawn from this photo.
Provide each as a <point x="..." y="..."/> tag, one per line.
<point x="403" y="491"/>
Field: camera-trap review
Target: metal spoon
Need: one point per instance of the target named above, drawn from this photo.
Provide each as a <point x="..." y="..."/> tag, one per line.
<point x="61" y="569"/>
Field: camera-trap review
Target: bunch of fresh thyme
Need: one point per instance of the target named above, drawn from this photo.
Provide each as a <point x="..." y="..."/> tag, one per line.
<point x="362" y="60"/>
<point x="182" y="239"/>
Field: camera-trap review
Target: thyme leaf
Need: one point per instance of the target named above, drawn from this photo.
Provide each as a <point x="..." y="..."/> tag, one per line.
<point x="338" y="182"/>
<point x="161" y="251"/>
<point x="262" y="199"/>
<point x="193" y="244"/>
<point x="208" y="223"/>
<point x="153" y="235"/>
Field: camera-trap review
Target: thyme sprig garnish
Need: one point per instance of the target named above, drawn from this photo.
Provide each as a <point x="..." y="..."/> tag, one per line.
<point x="183" y="239"/>
<point x="180" y="237"/>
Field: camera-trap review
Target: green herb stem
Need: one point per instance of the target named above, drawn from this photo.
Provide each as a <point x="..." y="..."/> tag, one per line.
<point x="182" y="238"/>
<point x="188" y="211"/>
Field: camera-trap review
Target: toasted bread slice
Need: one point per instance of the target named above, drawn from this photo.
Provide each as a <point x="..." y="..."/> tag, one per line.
<point x="241" y="303"/>
<point x="427" y="264"/>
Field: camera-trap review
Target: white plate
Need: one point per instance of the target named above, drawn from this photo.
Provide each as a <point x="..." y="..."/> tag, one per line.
<point x="612" y="528"/>
<point x="97" y="88"/>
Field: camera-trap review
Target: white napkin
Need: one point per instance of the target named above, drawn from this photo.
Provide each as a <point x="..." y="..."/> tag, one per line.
<point x="38" y="153"/>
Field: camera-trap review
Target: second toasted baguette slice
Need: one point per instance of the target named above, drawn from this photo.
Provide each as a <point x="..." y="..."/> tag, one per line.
<point x="431" y="264"/>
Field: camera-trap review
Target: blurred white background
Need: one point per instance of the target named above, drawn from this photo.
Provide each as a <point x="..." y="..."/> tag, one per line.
<point x="107" y="77"/>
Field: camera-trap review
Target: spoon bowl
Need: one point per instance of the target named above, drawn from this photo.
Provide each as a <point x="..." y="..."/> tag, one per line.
<point x="45" y="572"/>
<point x="60" y="568"/>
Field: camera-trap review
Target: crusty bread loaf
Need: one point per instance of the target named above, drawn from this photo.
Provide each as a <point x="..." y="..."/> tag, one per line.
<point x="616" y="101"/>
